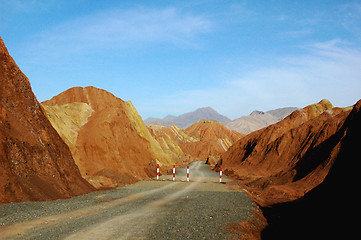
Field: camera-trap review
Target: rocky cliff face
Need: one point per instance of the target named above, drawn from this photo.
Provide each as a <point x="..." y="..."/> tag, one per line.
<point x="110" y="143"/>
<point x="286" y="160"/>
<point x="35" y="162"/>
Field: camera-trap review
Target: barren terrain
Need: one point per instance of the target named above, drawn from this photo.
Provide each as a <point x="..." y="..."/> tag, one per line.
<point x="200" y="209"/>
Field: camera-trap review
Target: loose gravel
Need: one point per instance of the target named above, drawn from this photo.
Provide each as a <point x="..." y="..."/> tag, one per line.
<point x="200" y="209"/>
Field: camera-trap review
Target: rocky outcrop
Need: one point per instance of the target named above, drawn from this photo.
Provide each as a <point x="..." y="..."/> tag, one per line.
<point x="301" y="171"/>
<point x="286" y="160"/>
<point x="110" y="142"/>
<point x="327" y="211"/>
<point x="35" y="162"/>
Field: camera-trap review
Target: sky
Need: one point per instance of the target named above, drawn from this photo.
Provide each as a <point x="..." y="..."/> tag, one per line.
<point x="172" y="57"/>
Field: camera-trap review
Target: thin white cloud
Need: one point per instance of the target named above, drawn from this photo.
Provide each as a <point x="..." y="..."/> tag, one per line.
<point x="123" y="28"/>
<point x="328" y="70"/>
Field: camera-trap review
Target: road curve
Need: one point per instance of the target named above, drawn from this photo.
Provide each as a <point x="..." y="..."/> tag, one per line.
<point x="200" y="209"/>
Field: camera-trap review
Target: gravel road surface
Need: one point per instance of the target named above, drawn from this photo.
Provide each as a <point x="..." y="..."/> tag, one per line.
<point x="151" y="209"/>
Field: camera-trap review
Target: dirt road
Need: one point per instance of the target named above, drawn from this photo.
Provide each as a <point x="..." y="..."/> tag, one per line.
<point x="199" y="209"/>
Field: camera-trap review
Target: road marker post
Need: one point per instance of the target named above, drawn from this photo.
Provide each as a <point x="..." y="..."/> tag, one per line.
<point x="220" y="175"/>
<point x="187" y="173"/>
<point x="173" y="172"/>
<point x="157" y="171"/>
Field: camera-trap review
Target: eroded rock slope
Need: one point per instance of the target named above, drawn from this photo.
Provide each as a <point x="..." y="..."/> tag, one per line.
<point x="35" y="163"/>
<point x="286" y="160"/>
<point x="109" y="140"/>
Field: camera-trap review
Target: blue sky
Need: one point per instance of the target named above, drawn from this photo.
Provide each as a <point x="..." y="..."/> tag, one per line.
<point x="171" y="57"/>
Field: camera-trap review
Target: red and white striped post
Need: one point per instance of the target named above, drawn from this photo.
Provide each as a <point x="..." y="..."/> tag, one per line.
<point x="157" y="171"/>
<point x="187" y="173"/>
<point x="173" y="172"/>
<point x="220" y="175"/>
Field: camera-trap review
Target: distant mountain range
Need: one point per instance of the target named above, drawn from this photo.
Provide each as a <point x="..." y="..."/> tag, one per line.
<point x="258" y="119"/>
<point x="187" y="119"/>
<point x="245" y="124"/>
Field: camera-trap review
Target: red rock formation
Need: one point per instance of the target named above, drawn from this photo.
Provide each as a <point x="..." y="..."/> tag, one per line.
<point x="211" y="138"/>
<point x="110" y="150"/>
<point x="328" y="210"/>
<point x="284" y="161"/>
<point x="35" y="163"/>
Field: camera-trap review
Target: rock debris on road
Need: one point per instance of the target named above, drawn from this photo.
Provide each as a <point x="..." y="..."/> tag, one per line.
<point x="199" y="209"/>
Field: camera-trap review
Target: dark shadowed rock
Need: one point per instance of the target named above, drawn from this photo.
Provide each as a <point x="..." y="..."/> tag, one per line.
<point x="328" y="210"/>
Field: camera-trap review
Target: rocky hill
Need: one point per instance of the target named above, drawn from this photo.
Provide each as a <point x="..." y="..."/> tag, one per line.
<point x="210" y="138"/>
<point x="36" y="164"/>
<point x="281" y="159"/>
<point x="109" y="140"/>
<point x="112" y="146"/>
<point x="258" y="119"/>
<point x="204" y="140"/>
<point x="187" y="119"/>
<point x="293" y="168"/>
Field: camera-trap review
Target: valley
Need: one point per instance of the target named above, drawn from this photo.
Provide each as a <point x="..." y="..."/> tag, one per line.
<point x="83" y="164"/>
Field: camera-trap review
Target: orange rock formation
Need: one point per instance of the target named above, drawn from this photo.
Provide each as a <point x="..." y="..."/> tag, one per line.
<point x="211" y="139"/>
<point x="286" y="160"/>
<point x="112" y="146"/>
<point x="35" y="162"/>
